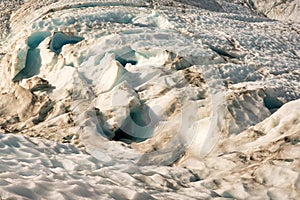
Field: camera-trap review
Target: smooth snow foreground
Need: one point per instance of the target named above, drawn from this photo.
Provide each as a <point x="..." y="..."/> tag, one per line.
<point x="152" y="100"/>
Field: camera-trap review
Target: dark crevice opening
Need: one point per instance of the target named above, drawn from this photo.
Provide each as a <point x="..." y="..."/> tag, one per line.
<point x="221" y="52"/>
<point x="32" y="65"/>
<point x="124" y="61"/>
<point x="124" y="58"/>
<point x="60" y="39"/>
<point x="33" y="57"/>
<point x="272" y="103"/>
<point x="138" y="126"/>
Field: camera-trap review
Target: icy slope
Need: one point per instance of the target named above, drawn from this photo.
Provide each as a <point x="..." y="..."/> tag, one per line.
<point x="149" y="84"/>
<point x="280" y="10"/>
<point x="260" y="163"/>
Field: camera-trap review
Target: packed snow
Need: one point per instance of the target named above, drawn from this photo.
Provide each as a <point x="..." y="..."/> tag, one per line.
<point x="150" y="100"/>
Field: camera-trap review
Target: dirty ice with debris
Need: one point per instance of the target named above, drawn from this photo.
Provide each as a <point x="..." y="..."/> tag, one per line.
<point x="144" y="99"/>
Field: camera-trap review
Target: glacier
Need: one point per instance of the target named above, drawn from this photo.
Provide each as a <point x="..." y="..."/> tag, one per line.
<point x="149" y="99"/>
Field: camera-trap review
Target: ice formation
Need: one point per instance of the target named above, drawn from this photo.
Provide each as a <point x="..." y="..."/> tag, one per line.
<point x="155" y="100"/>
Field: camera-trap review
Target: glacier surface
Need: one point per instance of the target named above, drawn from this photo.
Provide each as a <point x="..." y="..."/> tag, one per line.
<point x="150" y="100"/>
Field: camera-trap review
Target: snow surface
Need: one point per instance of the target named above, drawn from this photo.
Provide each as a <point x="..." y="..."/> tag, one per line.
<point x="158" y="100"/>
